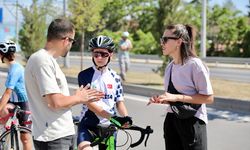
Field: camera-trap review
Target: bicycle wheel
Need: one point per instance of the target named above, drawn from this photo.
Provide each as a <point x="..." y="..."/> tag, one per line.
<point x="5" y="139"/>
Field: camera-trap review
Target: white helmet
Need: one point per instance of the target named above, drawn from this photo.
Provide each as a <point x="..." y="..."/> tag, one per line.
<point x="125" y="34"/>
<point x="7" y="47"/>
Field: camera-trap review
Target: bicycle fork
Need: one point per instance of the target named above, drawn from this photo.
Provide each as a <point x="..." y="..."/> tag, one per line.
<point x="14" y="137"/>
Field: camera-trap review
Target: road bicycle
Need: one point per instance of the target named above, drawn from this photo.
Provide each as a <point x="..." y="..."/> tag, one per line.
<point x="9" y="139"/>
<point x="105" y="139"/>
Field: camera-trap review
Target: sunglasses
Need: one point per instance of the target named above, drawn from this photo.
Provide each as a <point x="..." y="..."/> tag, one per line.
<point x="97" y="54"/>
<point x="73" y="41"/>
<point x="165" y="39"/>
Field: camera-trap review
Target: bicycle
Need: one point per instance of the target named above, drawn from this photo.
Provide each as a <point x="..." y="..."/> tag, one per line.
<point x="105" y="139"/>
<point x="9" y="139"/>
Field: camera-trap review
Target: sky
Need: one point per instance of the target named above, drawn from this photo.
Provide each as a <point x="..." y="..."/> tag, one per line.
<point x="8" y="25"/>
<point x="240" y="4"/>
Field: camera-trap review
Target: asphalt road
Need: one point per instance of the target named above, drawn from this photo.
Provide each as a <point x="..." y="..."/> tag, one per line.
<point x="227" y="130"/>
<point x="233" y="74"/>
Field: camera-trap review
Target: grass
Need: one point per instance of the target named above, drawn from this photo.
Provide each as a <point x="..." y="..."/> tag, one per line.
<point x="222" y="88"/>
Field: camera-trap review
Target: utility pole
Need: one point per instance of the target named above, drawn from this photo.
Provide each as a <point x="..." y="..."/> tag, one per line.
<point x="16" y="22"/>
<point x="66" y="58"/>
<point x="203" y="28"/>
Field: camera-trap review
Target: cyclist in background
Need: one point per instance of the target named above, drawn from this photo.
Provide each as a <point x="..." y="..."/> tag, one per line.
<point x="102" y="78"/>
<point x="15" y="91"/>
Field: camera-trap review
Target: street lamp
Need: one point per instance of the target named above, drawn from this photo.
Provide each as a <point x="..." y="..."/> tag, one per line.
<point x="203" y="28"/>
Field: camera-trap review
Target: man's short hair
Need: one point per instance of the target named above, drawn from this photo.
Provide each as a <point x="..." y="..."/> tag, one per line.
<point x="59" y="28"/>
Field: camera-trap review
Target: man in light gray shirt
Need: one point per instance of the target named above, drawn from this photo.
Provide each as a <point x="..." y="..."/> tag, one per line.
<point x="48" y="92"/>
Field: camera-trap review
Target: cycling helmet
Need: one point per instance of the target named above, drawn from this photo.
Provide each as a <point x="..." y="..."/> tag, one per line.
<point x="7" y="47"/>
<point x="102" y="41"/>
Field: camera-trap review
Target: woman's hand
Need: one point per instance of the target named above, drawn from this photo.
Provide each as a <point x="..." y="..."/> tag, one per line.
<point x="163" y="99"/>
<point x="154" y="99"/>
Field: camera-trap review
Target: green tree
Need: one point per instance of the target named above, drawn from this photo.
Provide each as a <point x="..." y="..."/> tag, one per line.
<point x="246" y="45"/>
<point x="86" y="17"/>
<point x="123" y="14"/>
<point x="33" y="30"/>
<point x="145" y="44"/>
<point x="248" y="6"/>
<point x="226" y="29"/>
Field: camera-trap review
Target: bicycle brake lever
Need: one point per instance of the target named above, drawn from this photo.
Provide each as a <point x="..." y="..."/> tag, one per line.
<point x="149" y="131"/>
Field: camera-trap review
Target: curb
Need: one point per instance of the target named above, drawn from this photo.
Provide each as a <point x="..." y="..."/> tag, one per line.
<point x="219" y="102"/>
<point x="3" y="69"/>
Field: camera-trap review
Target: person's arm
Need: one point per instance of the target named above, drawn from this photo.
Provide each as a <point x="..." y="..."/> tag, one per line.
<point x="121" y="108"/>
<point x="82" y="96"/>
<point x="194" y="99"/>
<point x="98" y="110"/>
<point x="130" y="46"/>
<point x="5" y="98"/>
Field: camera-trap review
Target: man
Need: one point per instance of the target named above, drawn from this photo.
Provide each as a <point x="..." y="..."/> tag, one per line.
<point x="15" y="92"/>
<point x="101" y="77"/>
<point x="125" y="46"/>
<point x="48" y="92"/>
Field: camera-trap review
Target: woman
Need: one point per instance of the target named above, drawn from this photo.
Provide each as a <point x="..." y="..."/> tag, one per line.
<point x="186" y="80"/>
<point x="15" y="91"/>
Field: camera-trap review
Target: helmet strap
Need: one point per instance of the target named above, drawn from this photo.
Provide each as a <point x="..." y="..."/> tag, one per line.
<point x="100" y="67"/>
<point x="2" y="59"/>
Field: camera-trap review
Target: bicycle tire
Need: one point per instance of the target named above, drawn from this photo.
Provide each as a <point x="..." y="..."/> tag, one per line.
<point x="5" y="138"/>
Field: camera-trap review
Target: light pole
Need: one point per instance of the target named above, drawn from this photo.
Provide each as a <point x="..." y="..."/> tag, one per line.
<point x="66" y="58"/>
<point x="17" y="22"/>
<point x="203" y="28"/>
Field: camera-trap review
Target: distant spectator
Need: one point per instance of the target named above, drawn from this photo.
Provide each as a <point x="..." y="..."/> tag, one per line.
<point x="125" y="46"/>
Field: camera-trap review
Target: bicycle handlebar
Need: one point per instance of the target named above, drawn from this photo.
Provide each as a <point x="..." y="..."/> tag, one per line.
<point x="14" y="112"/>
<point x="147" y="131"/>
<point x="107" y="130"/>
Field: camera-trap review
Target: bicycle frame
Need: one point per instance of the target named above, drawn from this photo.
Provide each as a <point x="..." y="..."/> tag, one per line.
<point x="12" y="128"/>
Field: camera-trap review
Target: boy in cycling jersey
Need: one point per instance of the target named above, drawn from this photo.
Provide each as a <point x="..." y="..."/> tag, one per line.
<point x="15" y="91"/>
<point x="102" y="78"/>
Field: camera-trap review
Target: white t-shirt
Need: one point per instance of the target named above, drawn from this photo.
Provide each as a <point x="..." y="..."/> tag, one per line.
<point x="190" y="78"/>
<point x="125" y="44"/>
<point x="43" y="76"/>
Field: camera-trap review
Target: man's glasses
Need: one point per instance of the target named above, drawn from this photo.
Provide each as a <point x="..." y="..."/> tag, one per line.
<point x="97" y="54"/>
<point x="165" y="39"/>
<point x="73" y="41"/>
